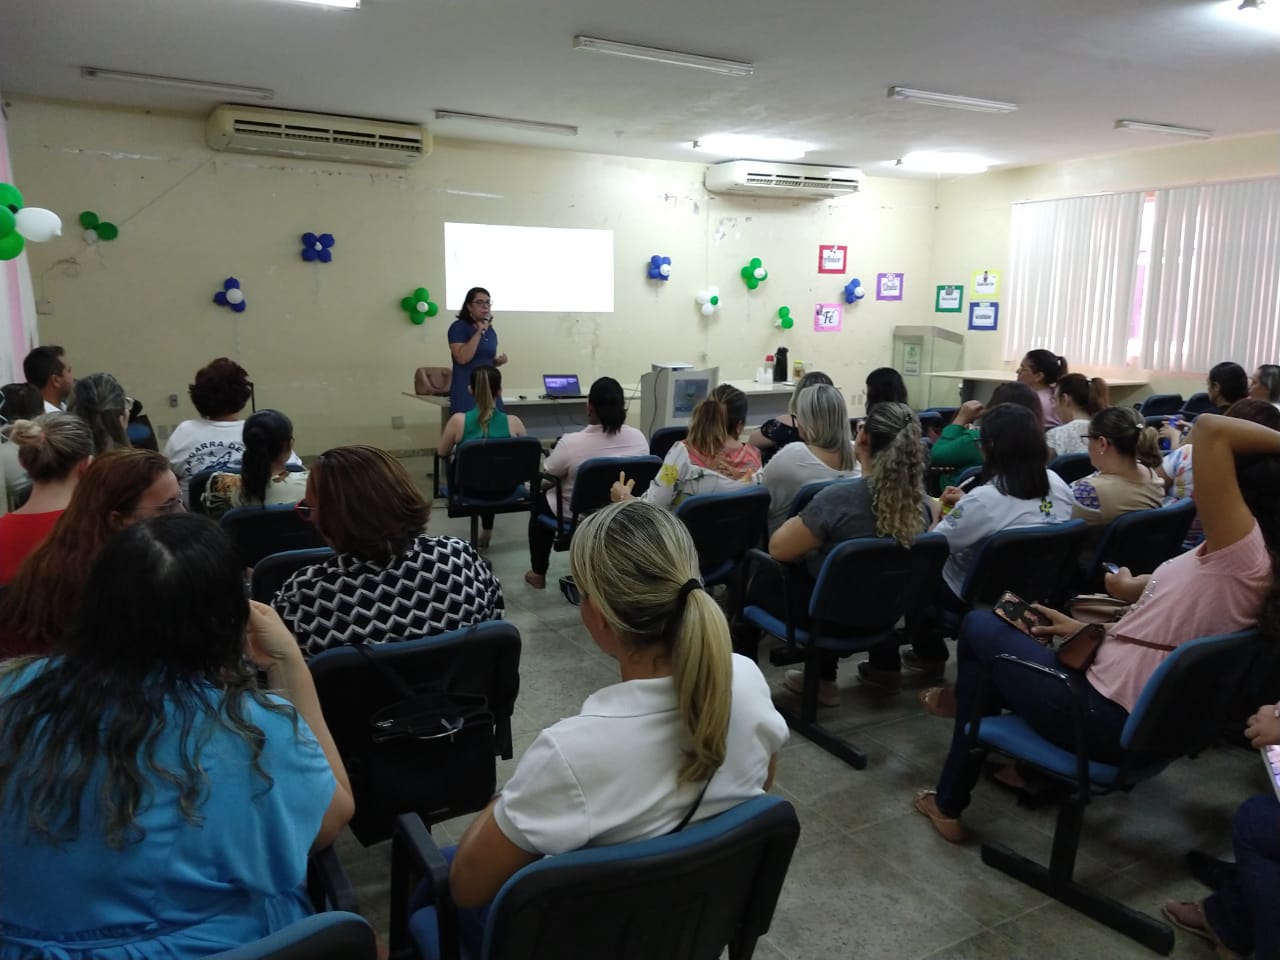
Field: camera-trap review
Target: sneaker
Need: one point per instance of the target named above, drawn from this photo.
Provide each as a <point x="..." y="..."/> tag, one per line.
<point x="828" y="690"/>
<point x="890" y="680"/>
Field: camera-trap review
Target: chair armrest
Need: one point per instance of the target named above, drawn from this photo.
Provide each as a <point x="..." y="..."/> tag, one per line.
<point x="753" y="559"/>
<point x="328" y="886"/>
<point x="1077" y="708"/>
<point x="415" y="858"/>
<point x="439" y="465"/>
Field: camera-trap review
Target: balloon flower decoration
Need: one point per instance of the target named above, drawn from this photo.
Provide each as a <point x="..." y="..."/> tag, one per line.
<point x="230" y="295"/>
<point x="854" y="291"/>
<point x="419" y="306"/>
<point x="784" y="320"/>
<point x="708" y="301"/>
<point x="19" y="224"/>
<point x="754" y="273"/>
<point x="95" y="229"/>
<point x="659" y="267"/>
<point x="317" y="246"/>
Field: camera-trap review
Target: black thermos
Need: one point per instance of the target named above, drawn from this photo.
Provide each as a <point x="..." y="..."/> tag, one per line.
<point x="780" y="369"/>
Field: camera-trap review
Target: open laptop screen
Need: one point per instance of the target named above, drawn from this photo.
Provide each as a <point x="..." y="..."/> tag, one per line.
<point x="561" y="385"/>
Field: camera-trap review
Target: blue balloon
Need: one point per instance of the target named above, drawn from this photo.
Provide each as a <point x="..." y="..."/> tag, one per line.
<point x="656" y="260"/>
<point x="310" y="239"/>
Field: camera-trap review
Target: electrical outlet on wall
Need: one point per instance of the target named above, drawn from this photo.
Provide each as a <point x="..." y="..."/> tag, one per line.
<point x="44" y="308"/>
<point x="397" y="423"/>
<point x="173" y="400"/>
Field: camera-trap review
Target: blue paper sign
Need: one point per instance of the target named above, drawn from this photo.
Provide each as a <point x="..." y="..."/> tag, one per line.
<point x="983" y="314"/>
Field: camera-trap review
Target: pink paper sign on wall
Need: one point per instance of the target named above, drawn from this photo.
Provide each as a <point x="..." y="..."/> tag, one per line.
<point x="828" y="317"/>
<point x="832" y="258"/>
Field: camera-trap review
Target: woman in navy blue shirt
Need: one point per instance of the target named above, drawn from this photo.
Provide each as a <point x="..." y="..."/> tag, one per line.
<point x="473" y="344"/>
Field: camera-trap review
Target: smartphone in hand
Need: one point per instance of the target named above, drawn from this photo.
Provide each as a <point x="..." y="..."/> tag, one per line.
<point x="1018" y="613"/>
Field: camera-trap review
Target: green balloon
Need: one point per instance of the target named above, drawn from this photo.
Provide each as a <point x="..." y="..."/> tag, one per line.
<point x="755" y="262"/>
<point x="422" y="293"/>
<point x="432" y="308"/>
<point x="107" y="231"/>
<point x="418" y="319"/>
<point x="715" y="301"/>
<point x="784" y="312"/>
<point x="787" y="323"/>
<point x="407" y="304"/>
<point x="10" y="246"/>
<point x="752" y="283"/>
<point x="89" y="220"/>
<point x="746" y="272"/>
<point x="8" y="222"/>
<point x="10" y="197"/>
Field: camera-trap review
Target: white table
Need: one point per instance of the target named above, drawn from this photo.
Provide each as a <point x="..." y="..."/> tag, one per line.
<point x="979" y="384"/>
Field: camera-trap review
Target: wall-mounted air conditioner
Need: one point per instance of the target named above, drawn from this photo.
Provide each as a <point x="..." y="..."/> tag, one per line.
<point x="316" y="136"/>
<point x="761" y="178"/>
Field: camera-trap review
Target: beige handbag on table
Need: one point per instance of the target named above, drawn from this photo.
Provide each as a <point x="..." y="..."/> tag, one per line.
<point x="432" y="381"/>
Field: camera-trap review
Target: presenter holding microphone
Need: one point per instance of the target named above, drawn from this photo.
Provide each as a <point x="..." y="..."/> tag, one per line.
<point x="473" y="343"/>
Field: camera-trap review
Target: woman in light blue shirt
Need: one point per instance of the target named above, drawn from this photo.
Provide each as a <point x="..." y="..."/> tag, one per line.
<point x="473" y="343"/>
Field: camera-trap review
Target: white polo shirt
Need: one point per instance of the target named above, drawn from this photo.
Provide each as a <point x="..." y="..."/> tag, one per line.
<point x="608" y="775"/>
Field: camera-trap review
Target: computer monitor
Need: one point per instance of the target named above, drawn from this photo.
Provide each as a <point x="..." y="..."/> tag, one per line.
<point x="561" y="385"/>
<point x="667" y="397"/>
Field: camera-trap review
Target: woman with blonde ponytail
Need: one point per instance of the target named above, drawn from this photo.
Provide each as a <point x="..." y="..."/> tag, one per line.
<point x="687" y="733"/>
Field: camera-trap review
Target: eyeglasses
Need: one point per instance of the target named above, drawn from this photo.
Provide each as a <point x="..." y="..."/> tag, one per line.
<point x="569" y="587"/>
<point x="482" y="303"/>
<point x="303" y="509"/>
<point x="172" y="505"/>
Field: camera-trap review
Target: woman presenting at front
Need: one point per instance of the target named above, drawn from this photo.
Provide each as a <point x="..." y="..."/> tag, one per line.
<point x="472" y="343"/>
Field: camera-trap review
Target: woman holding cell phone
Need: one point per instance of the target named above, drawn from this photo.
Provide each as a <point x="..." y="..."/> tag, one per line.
<point x="1226" y="584"/>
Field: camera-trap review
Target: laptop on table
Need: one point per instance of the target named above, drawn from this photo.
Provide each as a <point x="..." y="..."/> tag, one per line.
<point x="562" y="386"/>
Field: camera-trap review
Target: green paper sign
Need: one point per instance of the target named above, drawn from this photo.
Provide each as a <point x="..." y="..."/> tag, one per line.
<point x="949" y="299"/>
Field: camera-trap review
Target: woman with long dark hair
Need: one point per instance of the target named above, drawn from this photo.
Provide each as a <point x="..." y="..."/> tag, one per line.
<point x="155" y="803"/>
<point x="264" y="478"/>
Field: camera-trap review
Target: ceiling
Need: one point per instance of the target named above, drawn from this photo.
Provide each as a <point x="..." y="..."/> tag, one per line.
<point x="822" y="68"/>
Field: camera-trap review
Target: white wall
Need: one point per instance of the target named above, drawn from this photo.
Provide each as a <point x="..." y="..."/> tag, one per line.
<point x="17" y="309"/>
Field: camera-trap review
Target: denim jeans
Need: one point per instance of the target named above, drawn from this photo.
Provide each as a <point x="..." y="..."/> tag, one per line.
<point x="1243" y="913"/>
<point x="471" y="920"/>
<point x="1042" y="701"/>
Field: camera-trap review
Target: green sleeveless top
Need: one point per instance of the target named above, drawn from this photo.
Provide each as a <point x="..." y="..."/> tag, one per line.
<point x="471" y="429"/>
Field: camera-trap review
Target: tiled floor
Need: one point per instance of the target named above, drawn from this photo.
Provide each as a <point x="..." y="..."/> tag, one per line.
<point x="870" y="878"/>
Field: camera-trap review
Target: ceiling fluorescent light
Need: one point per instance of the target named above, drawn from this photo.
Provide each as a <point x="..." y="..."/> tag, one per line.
<point x="538" y="126"/>
<point x="754" y="148"/>
<point x="952" y="100"/>
<point x="182" y="83"/>
<point x="933" y="161"/>
<point x="1250" y="5"/>
<point x="728" y="68"/>
<point x="335" y="4"/>
<point x="1167" y="128"/>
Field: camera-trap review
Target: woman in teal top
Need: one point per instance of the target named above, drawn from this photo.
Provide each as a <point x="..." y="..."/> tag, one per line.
<point x="484" y="421"/>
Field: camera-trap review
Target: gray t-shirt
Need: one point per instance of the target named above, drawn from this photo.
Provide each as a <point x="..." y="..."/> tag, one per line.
<point x="840" y="512"/>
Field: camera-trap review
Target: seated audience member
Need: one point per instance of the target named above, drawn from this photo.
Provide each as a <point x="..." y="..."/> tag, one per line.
<point x="885" y="385"/>
<point x="213" y="441"/>
<point x="1076" y="398"/>
<point x="1226" y="584"/>
<point x="710" y="460"/>
<point x="607" y="435"/>
<point x="1040" y="370"/>
<point x="99" y="401"/>
<point x="776" y="433"/>
<point x="824" y="453"/>
<point x="118" y="489"/>
<point x="960" y="444"/>
<point x="1239" y="916"/>
<point x="887" y="501"/>
<point x="484" y="421"/>
<point x="688" y="732"/>
<point x="47" y="369"/>
<point x="155" y="802"/>
<point x="18" y="401"/>
<point x="1124" y="452"/>
<point x="264" y="478"/>
<point x="55" y="450"/>
<point x="1227" y="383"/>
<point x="1265" y="384"/>
<point x="389" y="580"/>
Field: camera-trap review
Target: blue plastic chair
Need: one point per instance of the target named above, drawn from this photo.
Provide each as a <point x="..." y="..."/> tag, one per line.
<point x="863" y="589"/>
<point x="682" y="896"/>
<point x="664" y="439"/>
<point x="591" y="486"/>
<point x="1142" y="540"/>
<point x="1072" y="466"/>
<point x="1196" y="404"/>
<point x="324" y="936"/>
<point x="807" y="493"/>
<point x="1178" y="714"/>
<point x="489" y="476"/>
<point x="258" y="531"/>
<point x="1037" y="563"/>
<point x="724" y="527"/>
<point x="270" y="573"/>
<point x="1160" y="405"/>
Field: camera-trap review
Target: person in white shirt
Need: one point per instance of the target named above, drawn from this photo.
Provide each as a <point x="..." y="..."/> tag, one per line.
<point x="1076" y="398"/>
<point x="264" y="478"/>
<point x="214" y="441"/>
<point x="825" y="453"/>
<point x="607" y="435"/>
<point x="48" y="370"/>
<point x="20" y="401"/>
<point x="688" y="732"/>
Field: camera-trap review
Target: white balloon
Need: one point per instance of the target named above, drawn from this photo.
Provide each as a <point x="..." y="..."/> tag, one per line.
<point x="714" y="291"/>
<point x="702" y="296"/>
<point x="235" y="295"/>
<point x="91" y="236"/>
<point x="319" y="245"/>
<point x="38" y="225"/>
<point x="759" y="273"/>
<point x="665" y="269"/>
<point x="859" y="292"/>
<point x="708" y="309"/>
<point x="421" y="306"/>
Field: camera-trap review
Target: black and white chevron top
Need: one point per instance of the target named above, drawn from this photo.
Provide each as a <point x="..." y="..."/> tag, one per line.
<point x="438" y="584"/>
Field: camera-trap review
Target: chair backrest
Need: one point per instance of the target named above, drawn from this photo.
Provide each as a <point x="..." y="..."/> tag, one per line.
<point x="866" y="585"/>
<point x="724" y="526"/>
<point x="683" y="896"/>
<point x="493" y="469"/>
<point x="807" y="493"/>
<point x="1144" y="539"/>
<point x="1161" y="405"/>
<point x="482" y="659"/>
<point x="596" y="476"/>
<point x="323" y="936"/>
<point x="270" y="573"/>
<point x="1037" y="563"/>
<point x="965" y="474"/>
<point x="1196" y="404"/>
<point x="258" y="531"/>
<point x="1181" y="706"/>
<point x="664" y="439"/>
<point x="1072" y="466"/>
<point x="196" y="488"/>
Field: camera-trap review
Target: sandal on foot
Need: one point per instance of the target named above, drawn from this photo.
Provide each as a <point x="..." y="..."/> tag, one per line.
<point x="1189" y="916"/>
<point x="536" y="580"/>
<point x="939" y="701"/>
<point x="949" y="828"/>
